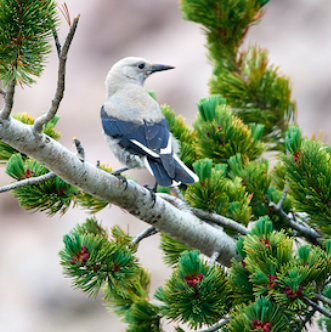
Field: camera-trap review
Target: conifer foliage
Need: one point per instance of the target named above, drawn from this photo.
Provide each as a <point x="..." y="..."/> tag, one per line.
<point x="279" y="218"/>
<point x="25" y="28"/>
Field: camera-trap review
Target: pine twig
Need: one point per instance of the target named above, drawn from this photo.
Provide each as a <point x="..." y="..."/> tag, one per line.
<point x="42" y="120"/>
<point x="323" y="299"/>
<point x="149" y="231"/>
<point x="80" y="149"/>
<point x="309" y="233"/>
<point x="216" y="326"/>
<point x="179" y="204"/>
<point x="9" y="100"/>
<point x="317" y="307"/>
<point x="220" y="220"/>
<point x="28" y="182"/>
<point x="282" y="199"/>
<point x="208" y="216"/>
<point x="57" y="43"/>
<point x="300" y="215"/>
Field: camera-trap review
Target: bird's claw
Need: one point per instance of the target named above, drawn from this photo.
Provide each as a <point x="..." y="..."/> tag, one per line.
<point x="152" y="191"/>
<point x="121" y="178"/>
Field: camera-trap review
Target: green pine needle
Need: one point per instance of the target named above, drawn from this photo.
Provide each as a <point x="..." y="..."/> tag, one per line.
<point x="259" y="315"/>
<point x="52" y="196"/>
<point x="92" y="260"/>
<point x="222" y="135"/>
<point x="172" y="249"/>
<point x="25" y="30"/>
<point x="195" y="294"/>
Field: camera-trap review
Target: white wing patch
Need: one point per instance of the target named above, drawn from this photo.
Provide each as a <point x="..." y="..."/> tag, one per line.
<point x="192" y="174"/>
<point x="147" y="166"/>
<point x="146" y="149"/>
<point x="168" y="148"/>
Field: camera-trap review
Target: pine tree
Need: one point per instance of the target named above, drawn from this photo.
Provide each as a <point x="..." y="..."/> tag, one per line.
<point x="255" y="250"/>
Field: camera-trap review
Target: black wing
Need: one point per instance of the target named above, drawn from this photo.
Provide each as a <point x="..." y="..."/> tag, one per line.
<point x="147" y="138"/>
<point x="152" y="140"/>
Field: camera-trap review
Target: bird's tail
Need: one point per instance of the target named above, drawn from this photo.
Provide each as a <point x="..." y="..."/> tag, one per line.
<point x="182" y="173"/>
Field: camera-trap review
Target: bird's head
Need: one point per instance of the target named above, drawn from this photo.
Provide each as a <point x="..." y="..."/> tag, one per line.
<point x="134" y="70"/>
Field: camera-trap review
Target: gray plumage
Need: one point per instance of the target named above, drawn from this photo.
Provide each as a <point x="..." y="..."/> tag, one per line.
<point x="135" y="127"/>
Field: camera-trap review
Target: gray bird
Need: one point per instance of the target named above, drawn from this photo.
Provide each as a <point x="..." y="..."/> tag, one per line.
<point x="135" y="128"/>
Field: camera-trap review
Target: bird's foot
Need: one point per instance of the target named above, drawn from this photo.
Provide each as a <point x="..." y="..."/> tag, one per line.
<point x="119" y="171"/>
<point x="152" y="191"/>
<point x="121" y="177"/>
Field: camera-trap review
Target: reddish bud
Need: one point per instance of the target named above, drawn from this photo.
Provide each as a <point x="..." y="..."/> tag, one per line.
<point x="257" y="325"/>
<point x="219" y="128"/>
<point x="297" y="156"/>
<point x="271" y="281"/>
<point x="267" y="327"/>
<point x="58" y="192"/>
<point x="291" y="295"/>
<point x="194" y="280"/>
<point x="29" y="173"/>
<point x="83" y="256"/>
<point x="116" y="267"/>
<point x="265" y="242"/>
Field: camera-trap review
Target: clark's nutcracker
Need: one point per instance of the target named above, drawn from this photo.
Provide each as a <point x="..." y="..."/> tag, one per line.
<point x="135" y="128"/>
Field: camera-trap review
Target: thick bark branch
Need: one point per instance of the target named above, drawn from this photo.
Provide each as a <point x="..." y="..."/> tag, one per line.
<point x="181" y="225"/>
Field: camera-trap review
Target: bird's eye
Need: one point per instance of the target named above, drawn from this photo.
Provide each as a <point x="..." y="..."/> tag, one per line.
<point x="141" y="66"/>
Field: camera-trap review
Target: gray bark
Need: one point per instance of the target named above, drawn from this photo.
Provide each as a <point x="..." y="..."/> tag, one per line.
<point x="181" y="225"/>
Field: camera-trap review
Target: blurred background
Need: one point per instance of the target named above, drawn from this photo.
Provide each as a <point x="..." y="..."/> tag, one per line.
<point x="34" y="295"/>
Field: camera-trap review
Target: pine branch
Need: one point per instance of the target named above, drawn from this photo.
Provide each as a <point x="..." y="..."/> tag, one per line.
<point x="42" y="120"/>
<point x="57" y="43"/>
<point x="149" y="231"/>
<point x="180" y="225"/>
<point x="323" y="299"/>
<point x="317" y="307"/>
<point x="9" y="100"/>
<point x="309" y="233"/>
<point x="282" y="199"/>
<point x="178" y="203"/>
<point x="28" y="182"/>
<point x="220" y="220"/>
<point x="216" y="326"/>
<point x="208" y="216"/>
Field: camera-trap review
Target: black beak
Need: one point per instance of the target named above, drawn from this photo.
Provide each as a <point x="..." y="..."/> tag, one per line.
<point x="155" y="68"/>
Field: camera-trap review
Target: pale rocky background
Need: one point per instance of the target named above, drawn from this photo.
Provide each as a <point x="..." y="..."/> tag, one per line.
<point x="34" y="295"/>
